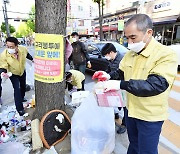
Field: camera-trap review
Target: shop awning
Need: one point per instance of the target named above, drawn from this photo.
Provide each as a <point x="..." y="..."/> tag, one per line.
<point x="165" y="20"/>
<point x="106" y="28"/>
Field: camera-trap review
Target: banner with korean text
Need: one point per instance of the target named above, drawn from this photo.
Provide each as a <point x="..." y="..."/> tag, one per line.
<point x="49" y="58"/>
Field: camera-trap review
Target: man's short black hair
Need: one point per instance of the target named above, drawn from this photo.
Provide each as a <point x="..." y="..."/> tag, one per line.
<point x="143" y="22"/>
<point x="68" y="75"/>
<point x="107" y="48"/>
<point x="74" y="34"/>
<point x="12" y="39"/>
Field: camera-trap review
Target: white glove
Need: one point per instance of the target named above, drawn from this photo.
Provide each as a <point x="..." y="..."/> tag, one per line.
<point x="112" y="85"/>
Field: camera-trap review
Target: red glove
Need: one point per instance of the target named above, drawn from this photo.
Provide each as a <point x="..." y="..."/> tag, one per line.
<point x="101" y="76"/>
<point x="97" y="74"/>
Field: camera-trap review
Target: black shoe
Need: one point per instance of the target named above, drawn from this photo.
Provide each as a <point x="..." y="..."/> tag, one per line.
<point x="24" y="100"/>
<point x="21" y="113"/>
<point x="116" y="115"/>
<point x="121" y="129"/>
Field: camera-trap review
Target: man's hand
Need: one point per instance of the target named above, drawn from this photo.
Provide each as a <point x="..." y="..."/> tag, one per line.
<point x="112" y="85"/>
<point x="6" y="75"/>
<point x="101" y="76"/>
<point x="89" y="64"/>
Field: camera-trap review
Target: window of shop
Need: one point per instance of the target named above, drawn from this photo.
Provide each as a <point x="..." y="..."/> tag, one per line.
<point x="158" y="31"/>
<point x="168" y="31"/>
<point x="164" y="33"/>
<point x="176" y="34"/>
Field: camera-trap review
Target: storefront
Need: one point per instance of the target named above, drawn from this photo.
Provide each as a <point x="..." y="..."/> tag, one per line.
<point x="166" y="21"/>
<point x="167" y="32"/>
<point x="110" y="23"/>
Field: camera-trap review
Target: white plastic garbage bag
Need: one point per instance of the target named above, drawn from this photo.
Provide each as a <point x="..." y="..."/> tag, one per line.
<point x="12" y="148"/>
<point x="92" y="128"/>
<point x="30" y="74"/>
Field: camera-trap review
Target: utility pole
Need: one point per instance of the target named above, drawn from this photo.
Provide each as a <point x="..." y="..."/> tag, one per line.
<point x="6" y="17"/>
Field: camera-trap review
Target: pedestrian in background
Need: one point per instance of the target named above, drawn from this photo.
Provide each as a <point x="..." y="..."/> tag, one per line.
<point x="79" y="54"/>
<point x="147" y="73"/>
<point x="114" y="58"/>
<point x="13" y="59"/>
<point x="68" y="54"/>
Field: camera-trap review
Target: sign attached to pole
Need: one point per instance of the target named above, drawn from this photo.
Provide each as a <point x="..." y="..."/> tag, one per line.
<point x="120" y="25"/>
<point x="49" y="57"/>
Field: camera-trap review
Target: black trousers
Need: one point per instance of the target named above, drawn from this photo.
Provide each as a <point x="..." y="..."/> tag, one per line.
<point x="143" y="135"/>
<point x="19" y="85"/>
<point x="0" y="87"/>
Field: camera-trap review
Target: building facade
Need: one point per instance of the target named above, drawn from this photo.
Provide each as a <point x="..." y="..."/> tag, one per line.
<point x="166" y="20"/>
<point x="164" y="13"/>
<point x="80" y="15"/>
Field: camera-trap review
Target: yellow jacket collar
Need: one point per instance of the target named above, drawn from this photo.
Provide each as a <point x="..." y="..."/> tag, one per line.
<point x="147" y="51"/>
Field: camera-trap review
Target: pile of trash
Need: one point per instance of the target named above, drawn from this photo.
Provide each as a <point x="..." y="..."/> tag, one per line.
<point x="15" y="131"/>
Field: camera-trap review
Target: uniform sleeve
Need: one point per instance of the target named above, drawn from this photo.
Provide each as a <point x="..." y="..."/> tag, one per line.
<point x="154" y="85"/>
<point x="166" y="67"/>
<point x="160" y="78"/>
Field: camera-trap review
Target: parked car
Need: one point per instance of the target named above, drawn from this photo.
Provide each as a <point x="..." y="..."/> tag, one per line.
<point x="176" y="48"/>
<point x="98" y="61"/>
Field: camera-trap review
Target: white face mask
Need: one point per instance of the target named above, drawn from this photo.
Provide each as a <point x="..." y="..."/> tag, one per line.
<point x="74" y="39"/>
<point x="136" y="47"/>
<point x="11" y="51"/>
<point x="108" y="57"/>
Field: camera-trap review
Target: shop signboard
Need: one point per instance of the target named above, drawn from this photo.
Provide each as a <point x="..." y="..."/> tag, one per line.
<point x="120" y="25"/>
<point x="163" y="6"/>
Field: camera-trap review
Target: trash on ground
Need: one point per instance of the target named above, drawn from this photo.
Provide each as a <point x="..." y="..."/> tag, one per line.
<point x="14" y="130"/>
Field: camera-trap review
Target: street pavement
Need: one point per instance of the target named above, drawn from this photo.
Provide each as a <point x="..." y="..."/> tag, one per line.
<point x="170" y="136"/>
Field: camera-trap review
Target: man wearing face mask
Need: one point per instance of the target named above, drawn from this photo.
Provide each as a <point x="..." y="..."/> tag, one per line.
<point x="79" y="54"/>
<point x="75" y="78"/>
<point x="114" y="58"/>
<point x="13" y="59"/>
<point x="147" y="73"/>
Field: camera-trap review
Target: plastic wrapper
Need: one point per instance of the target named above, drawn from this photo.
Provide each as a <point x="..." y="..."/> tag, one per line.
<point x="30" y="74"/>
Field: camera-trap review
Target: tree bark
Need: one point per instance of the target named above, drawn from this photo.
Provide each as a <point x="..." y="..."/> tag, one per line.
<point x="50" y="19"/>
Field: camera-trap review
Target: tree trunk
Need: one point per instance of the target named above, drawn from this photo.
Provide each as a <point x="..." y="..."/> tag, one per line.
<point x="100" y="22"/>
<point x="50" y="19"/>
